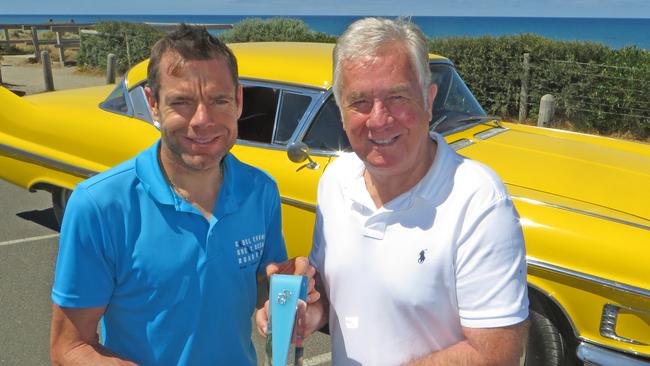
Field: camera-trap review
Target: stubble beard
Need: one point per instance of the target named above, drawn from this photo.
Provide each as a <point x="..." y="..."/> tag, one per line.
<point x="185" y="160"/>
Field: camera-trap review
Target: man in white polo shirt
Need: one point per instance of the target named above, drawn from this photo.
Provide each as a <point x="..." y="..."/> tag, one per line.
<point x="419" y="250"/>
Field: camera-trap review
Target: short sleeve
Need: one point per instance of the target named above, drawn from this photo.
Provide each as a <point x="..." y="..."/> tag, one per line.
<point x="274" y="248"/>
<point x="491" y="269"/>
<point x="84" y="274"/>
<point x="317" y="253"/>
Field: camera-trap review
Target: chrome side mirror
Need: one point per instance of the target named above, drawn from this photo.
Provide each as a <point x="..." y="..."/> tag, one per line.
<point x="299" y="152"/>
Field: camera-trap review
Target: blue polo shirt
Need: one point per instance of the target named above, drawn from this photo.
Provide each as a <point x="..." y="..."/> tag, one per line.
<point x="178" y="289"/>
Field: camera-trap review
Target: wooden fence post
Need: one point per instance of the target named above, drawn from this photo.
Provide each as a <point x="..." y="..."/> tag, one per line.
<point x="523" y="97"/>
<point x="37" y="50"/>
<point x="7" y="43"/>
<point x="47" y="71"/>
<point x="546" y="110"/>
<point x="110" y="68"/>
<point x="59" y="44"/>
<point x="128" y="49"/>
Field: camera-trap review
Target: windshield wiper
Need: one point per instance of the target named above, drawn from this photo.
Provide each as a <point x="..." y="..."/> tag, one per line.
<point x="437" y="122"/>
<point x="484" y="120"/>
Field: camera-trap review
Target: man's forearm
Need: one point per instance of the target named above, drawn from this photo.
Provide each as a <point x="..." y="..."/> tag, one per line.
<point x="74" y="340"/>
<point x="482" y="347"/>
<point x="87" y="354"/>
<point x="461" y="353"/>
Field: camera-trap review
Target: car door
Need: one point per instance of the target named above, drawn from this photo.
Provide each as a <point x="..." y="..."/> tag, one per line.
<point x="271" y="118"/>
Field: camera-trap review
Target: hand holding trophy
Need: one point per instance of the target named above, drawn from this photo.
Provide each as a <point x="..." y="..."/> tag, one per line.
<point x="291" y="288"/>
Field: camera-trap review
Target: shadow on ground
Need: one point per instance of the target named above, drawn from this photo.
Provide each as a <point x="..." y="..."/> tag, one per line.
<point x="42" y="217"/>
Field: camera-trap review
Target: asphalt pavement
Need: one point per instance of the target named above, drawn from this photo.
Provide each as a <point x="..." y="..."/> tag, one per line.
<point x="28" y="247"/>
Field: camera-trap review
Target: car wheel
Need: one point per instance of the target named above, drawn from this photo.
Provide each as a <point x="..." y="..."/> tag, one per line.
<point x="60" y="198"/>
<point x="545" y="347"/>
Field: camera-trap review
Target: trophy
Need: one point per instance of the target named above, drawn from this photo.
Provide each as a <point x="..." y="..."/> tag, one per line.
<point x="287" y="307"/>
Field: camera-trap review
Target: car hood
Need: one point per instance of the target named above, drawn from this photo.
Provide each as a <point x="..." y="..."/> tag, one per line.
<point x="599" y="173"/>
<point x="82" y="98"/>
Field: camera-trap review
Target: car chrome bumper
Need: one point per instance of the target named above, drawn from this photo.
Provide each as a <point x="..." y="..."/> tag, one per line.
<point x="593" y="355"/>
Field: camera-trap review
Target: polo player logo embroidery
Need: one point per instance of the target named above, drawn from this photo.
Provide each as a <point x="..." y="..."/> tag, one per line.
<point x="422" y="258"/>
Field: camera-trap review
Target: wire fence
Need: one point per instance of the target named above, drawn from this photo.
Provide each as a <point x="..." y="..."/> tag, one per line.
<point x="606" y="97"/>
<point x="596" y="97"/>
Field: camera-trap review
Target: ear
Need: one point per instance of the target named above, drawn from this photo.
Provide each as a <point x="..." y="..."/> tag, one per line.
<point x="153" y="103"/>
<point x="239" y="97"/>
<point x="433" y="91"/>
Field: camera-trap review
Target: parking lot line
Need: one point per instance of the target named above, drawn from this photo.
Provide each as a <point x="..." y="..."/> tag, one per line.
<point x="318" y="359"/>
<point x="25" y="240"/>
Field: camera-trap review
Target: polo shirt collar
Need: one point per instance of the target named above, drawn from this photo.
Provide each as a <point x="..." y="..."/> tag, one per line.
<point x="230" y="194"/>
<point x="149" y="172"/>
<point x="354" y="187"/>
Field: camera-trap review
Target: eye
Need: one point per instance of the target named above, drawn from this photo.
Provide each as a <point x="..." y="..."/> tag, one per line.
<point x="220" y="101"/>
<point x="360" y="104"/>
<point x="179" y="102"/>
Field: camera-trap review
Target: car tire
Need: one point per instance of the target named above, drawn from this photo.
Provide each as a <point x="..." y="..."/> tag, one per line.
<point x="546" y="346"/>
<point x="60" y="197"/>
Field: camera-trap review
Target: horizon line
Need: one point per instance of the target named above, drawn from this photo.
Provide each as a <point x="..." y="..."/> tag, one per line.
<point x="331" y="15"/>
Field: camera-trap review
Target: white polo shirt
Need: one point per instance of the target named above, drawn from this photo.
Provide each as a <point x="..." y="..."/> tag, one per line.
<point x="403" y="279"/>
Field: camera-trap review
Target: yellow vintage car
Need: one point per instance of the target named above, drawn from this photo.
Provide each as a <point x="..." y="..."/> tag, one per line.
<point x="584" y="200"/>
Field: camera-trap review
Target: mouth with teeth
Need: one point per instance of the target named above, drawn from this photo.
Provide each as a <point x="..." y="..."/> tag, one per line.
<point x="201" y="141"/>
<point x="384" y="142"/>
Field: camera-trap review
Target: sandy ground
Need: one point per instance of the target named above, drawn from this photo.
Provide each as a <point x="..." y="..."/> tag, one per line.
<point x="18" y="74"/>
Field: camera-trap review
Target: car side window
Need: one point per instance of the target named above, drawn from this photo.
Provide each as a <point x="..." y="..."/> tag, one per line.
<point x="116" y="101"/>
<point x="258" y="115"/>
<point x="326" y="132"/>
<point x="141" y="105"/>
<point x="292" y="108"/>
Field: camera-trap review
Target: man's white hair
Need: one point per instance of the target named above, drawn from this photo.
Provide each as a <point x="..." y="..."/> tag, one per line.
<point x="366" y="36"/>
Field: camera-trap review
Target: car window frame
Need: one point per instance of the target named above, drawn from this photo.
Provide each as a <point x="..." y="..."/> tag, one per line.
<point x="317" y="95"/>
<point x="128" y="94"/>
<point x="125" y="93"/>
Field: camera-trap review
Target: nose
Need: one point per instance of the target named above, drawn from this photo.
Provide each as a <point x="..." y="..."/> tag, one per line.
<point x="201" y="116"/>
<point x="379" y="117"/>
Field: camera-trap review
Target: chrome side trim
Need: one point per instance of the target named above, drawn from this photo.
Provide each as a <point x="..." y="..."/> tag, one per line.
<point x="591" y="354"/>
<point x="459" y="144"/>
<point x="46" y="162"/>
<point x="264" y="145"/>
<point x="534" y="262"/>
<point x="491" y="132"/>
<point x="582" y="212"/>
<point x="299" y="204"/>
<point x="608" y="322"/>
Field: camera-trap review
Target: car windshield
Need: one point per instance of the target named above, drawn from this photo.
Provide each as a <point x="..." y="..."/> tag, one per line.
<point x="454" y="105"/>
<point x="453" y="108"/>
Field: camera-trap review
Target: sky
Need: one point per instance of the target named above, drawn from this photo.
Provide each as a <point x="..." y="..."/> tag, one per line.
<point x="517" y="8"/>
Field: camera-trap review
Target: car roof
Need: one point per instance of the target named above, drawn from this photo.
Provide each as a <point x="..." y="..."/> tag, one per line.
<point x="300" y="63"/>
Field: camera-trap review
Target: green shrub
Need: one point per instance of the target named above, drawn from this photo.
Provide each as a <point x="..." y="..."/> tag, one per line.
<point x="596" y="87"/>
<point x="274" y="29"/>
<point x="130" y="42"/>
<point x="12" y="50"/>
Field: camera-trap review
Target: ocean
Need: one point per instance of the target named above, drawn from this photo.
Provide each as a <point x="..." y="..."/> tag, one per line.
<point x="616" y="33"/>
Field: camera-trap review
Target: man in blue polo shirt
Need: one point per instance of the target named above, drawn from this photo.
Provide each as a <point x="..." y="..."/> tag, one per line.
<point x="166" y="248"/>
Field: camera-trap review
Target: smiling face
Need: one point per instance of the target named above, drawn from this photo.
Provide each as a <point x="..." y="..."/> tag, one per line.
<point x="384" y="112"/>
<point x="198" y="106"/>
